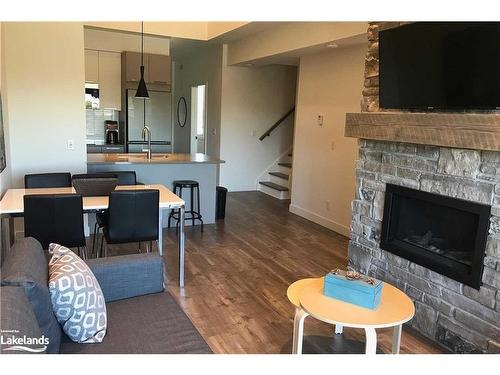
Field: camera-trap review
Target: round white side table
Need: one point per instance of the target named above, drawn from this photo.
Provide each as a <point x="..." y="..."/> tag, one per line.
<point x="307" y="296"/>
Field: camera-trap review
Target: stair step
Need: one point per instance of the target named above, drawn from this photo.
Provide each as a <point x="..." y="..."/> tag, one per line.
<point x="288" y="165"/>
<point x="274" y="186"/>
<point x="284" y="176"/>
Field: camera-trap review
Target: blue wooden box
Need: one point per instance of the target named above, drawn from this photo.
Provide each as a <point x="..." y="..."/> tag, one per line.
<point x="358" y="292"/>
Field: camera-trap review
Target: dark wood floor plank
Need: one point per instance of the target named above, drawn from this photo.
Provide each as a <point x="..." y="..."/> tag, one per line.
<point x="238" y="271"/>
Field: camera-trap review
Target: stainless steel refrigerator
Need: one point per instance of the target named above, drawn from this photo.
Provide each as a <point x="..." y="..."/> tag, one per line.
<point x="158" y="112"/>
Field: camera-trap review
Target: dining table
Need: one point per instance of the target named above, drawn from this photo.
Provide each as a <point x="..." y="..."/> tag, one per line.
<point x="12" y="205"/>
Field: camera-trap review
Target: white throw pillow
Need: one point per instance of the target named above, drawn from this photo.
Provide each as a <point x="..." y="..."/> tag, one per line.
<point x="76" y="296"/>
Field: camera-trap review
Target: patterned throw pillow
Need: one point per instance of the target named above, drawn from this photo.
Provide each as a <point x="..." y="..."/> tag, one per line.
<point x="76" y="297"/>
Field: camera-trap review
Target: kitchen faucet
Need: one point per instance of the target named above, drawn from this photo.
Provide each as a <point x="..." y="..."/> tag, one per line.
<point x="146" y="130"/>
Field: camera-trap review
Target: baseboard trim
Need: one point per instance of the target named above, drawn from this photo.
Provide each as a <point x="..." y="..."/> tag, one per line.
<point x="321" y="220"/>
<point x="240" y="188"/>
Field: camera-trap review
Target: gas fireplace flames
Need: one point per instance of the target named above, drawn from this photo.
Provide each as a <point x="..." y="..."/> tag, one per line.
<point x="439" y="246"/>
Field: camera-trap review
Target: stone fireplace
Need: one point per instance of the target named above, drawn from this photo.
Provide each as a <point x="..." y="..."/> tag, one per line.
<point x="454" y="156"/>
<point x="446" y="235"/>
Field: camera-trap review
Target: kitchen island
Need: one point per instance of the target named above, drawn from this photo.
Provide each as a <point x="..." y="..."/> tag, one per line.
<point x="164" y="169"/>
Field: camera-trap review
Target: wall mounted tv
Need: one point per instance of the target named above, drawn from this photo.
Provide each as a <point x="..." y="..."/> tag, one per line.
<point x="440" y="66"/>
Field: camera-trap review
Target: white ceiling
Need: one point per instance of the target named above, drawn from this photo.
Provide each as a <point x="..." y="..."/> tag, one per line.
<point x="180" y="47"/>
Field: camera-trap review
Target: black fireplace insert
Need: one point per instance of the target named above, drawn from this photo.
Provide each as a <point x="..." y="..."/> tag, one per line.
<point x="446" y="235"/>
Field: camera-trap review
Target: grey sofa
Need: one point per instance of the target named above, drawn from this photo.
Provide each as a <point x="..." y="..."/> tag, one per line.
<point x="142" y="317"/>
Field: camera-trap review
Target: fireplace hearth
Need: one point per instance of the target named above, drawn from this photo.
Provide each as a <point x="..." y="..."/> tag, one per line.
<point x="444" y="234"/>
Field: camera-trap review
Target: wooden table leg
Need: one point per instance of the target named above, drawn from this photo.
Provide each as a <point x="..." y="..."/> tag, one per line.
<point x="396" y="339"/>
<point x="298" y="330"/>
<point x="371" y="341"/>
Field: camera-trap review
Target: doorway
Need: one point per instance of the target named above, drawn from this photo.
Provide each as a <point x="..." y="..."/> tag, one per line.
<point x="198" y="118"/>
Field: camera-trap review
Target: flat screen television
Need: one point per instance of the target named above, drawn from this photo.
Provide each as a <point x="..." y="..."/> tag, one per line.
<point x="440" y="66"/>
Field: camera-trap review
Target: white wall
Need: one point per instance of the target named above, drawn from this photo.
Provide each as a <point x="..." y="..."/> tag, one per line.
<point x="291" y="36"/>
<point x="106" y="40"/>
<point x="330" y="84"/>
<point x="202" y="67"/>
<point x="253" y="99"/>
<point x="42" y="84"/>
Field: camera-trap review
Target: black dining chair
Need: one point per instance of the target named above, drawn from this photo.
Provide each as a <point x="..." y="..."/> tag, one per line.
<point x="124" y="178"/>
<point x="56" y="218"/>
<point x="47" y="180"/>
<point x="132" y="216"/>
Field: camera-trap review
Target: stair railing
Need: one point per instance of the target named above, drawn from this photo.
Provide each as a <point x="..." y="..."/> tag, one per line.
<point x="276" y="124"/>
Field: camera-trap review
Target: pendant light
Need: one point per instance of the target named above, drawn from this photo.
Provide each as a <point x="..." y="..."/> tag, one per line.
<point x="142" y="90"/>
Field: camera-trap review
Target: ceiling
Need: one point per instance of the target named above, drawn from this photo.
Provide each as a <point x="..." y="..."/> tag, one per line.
<point x="293" y="57"/>
<point x="181" y="47"/>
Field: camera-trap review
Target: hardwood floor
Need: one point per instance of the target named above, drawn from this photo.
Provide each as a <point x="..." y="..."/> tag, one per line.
<point x="238" y="271"/>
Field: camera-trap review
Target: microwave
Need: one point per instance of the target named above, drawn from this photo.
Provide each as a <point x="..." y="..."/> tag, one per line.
<point x="92" y="96"/>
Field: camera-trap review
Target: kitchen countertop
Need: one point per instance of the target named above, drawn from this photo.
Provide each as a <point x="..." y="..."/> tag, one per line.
<point x="157" y="158"/>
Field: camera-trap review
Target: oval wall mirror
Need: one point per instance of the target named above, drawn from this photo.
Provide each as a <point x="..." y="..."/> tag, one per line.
<point x="181" y="111"/>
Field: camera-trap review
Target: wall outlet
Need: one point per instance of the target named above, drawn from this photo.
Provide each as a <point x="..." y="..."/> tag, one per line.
<point x="71" y="144"/>
<point x="214" y="131"/>
<point x="327" y="205"/>
<point x="320" y="120"/>
<point x="332" y="146"/>
<point x="253" y="133"/>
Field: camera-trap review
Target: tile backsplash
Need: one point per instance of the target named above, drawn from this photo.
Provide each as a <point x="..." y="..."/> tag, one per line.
<point x="95" y="124"/>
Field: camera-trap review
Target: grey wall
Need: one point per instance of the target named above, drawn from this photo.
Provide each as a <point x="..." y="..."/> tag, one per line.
<point x="203" y="66"/>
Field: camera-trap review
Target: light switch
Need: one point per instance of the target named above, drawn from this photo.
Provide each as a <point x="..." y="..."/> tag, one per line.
<point x="71" y="144"/>
<point x="320" y="120"/>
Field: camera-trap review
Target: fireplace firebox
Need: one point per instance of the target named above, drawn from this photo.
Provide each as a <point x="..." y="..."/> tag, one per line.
<point x="446" y="235"/>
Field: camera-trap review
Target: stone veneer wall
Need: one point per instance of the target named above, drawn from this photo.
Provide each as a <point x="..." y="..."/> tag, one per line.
<point x="461" y="318"/>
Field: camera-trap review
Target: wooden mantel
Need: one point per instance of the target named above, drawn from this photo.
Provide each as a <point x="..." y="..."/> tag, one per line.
<point x="473" y="131"/>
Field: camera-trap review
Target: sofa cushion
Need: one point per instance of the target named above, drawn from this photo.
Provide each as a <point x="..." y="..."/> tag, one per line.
<point x="18" y="325"/>
<point x="26" y="266"/>
<point x="76" y="296"/>
<point x="153" y="324"/>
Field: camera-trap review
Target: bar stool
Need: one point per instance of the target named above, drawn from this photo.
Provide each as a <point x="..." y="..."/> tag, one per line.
<point x="194" y="215"/>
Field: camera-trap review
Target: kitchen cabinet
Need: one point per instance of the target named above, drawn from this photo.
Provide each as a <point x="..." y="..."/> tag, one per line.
<point x="159" y="67"/>
<point x="113" y="149"/>
<point x="138" y="148"/>
<point x="94" y="149"/>
<point x="104" y="68"/>
<point x="106" y="149"/>
<point x="132" y="66"/>
<point x="91" y="66"/>
<point x="110" y="80"/>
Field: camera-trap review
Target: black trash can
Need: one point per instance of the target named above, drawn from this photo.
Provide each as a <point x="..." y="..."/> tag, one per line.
<point x="220" y="203"/>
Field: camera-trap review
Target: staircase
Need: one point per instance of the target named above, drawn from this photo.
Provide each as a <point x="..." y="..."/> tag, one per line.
<point x="279" y="179"/>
